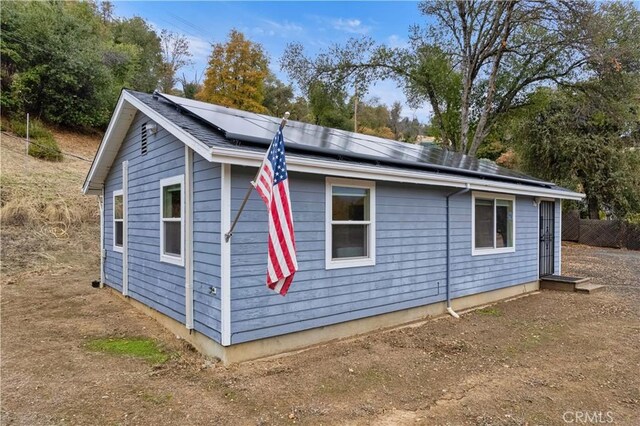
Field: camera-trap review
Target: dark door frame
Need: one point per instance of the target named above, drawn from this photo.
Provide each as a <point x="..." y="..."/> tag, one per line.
<point x="546" y="240"/>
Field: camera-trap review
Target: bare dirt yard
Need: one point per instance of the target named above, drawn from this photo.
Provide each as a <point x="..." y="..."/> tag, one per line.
<point x="545" y="359"/>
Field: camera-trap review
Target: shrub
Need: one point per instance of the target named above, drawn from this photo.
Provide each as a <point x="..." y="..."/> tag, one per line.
<point x="43" y="145"/>
<point x="46" y="149"/>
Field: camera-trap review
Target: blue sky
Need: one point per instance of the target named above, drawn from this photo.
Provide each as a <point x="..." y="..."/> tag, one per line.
<point x="274" y="24"/>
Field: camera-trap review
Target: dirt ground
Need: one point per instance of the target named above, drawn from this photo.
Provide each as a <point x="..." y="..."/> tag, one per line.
<point x="540" y="359"/>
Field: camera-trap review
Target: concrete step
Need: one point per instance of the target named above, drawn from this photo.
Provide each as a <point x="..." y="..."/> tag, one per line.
<point x="589" y="288"/>
<point x="562" y="283"/>
<point x="566" y="279"/>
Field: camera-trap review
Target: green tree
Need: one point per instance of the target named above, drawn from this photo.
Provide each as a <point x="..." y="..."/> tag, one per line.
<point x="586" y="138"/>
<point x="328" y="106"/>
<point x="277" y="96"/>
<point x="476" y="61"/>
<point x="300" y="110"/>
<point x="373" y="119"/>
<point x="394" y="119"/>
<point x="67" y="62"/>
<point x="136" y="32"/>
<point x="190" y="88"/>
<point x="57" y="67"/>
<point x="235" y="76"/>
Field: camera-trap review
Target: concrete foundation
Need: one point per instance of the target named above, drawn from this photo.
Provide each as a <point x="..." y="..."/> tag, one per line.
<point x="307" y="338"/>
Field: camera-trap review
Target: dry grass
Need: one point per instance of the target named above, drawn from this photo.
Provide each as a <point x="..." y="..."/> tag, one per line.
<point x="41" y="204"/>
<point x="36" y="192"/>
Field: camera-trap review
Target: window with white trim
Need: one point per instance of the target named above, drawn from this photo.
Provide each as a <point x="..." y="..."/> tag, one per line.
<point x="118" y="220"/>
<point x="493" y="223"/>
<point x="171" y="223"/>
<point x="350" y="223"/>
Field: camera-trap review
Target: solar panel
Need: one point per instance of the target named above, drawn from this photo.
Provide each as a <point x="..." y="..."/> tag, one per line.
<point x="259" y="129"/>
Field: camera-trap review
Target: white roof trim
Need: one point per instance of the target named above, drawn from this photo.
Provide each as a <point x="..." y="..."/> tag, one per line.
<point x="128" y="104"/>
<point x="121" y="119"/>
<point x="364" y="171"/>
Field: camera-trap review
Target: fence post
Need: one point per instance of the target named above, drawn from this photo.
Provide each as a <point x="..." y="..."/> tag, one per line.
<point x="26" y="158"/>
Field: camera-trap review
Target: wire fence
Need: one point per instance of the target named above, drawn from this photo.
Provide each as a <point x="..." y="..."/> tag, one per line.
<point x="47" y="148"/>
<point x="600" y="233"/>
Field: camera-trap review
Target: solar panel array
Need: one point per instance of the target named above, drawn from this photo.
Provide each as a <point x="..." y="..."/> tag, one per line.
<point x="259" y="129"/>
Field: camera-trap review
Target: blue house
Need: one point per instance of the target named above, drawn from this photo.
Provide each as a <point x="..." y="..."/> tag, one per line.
<point x="387" y="232"/>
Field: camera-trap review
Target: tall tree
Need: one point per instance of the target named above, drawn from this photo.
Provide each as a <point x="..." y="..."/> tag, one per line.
<point x="584" y="138"/>
<point x="137" y="32"/>
<point x="472" y="65"/>
<point x="300" y="110"/>
<point x="62" y="69"/>
<point x="328" y="106"/>
<point x="105" y="9"/>
<point x="235" y="76"/>
<point x="394" y="118"/>
<point x="277" y="96"/>
<point x="373" y="119"/>
<point x="175" y="55"/>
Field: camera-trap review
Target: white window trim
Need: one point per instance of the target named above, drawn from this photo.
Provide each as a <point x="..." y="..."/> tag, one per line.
<point x="117" y="193"/>
<point x="164" y="257"/>
<point x="371" y="238"/>
<point x="491" y="196"/>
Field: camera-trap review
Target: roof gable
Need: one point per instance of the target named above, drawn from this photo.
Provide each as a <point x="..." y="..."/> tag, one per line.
<point x="126" y="108"/>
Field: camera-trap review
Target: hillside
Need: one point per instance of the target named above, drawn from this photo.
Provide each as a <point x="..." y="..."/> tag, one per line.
<point x="46" y="221"/>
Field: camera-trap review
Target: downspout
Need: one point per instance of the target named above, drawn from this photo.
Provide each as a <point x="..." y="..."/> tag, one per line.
<point x="102" y="251"/>
<point x="449" y="308"/>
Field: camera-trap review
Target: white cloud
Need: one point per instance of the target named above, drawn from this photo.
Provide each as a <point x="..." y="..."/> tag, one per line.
<point x="199" y="48"/>
<point x="282" y="29"/>
<point x="353" y="26"/>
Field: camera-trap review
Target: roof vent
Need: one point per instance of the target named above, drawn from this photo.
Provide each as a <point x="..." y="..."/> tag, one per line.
<point x="144" y="137"/>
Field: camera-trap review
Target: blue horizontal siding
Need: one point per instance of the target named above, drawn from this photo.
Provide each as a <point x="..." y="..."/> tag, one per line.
<point x="410" y="265"/>
<point x="206" y="247"/>
<point x="156" y="284"/>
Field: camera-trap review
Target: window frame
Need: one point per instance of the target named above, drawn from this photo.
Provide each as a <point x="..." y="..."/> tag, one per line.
<point x="167" y="257"/>
<point x="480" y="251"/>
<point x="117" y="193"/>
<point x="352" y="262"/>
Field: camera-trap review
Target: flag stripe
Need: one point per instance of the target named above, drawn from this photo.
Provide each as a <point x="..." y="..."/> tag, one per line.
<point x="284" y="235"/>
<point x="272" y="184"/>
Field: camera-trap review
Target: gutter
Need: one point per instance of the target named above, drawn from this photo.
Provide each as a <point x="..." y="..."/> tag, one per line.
<point x="448" y="288"/>
<point x="297" y="163"/>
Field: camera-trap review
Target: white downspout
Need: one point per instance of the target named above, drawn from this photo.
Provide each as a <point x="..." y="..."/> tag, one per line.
<point x="102" y="252"/>
<point x="449" y="308"/>
<point x="188" y="253"/>
<point x="125" y="228"/>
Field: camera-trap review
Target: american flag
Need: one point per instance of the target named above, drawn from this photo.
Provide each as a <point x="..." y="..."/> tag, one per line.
<point x="272" y="184"/>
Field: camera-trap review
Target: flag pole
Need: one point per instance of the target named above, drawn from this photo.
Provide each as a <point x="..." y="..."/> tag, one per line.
<point x="228" y="235"/>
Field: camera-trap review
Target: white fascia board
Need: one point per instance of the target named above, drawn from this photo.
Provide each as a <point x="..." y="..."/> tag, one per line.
<point x="168" y="125"/>
<point x="119" y="124"/>
<point x="118" y="128"/>
<point x="364" y="171"/>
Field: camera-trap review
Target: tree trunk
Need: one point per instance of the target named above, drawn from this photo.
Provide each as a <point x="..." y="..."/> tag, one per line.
<point x="594" y="210"/>
<point x="447" y="139"/>
<point x="466" y="77"/>
<point x="480" y="132"/>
